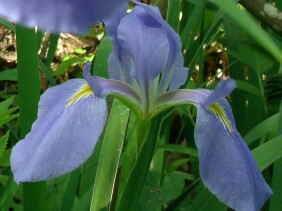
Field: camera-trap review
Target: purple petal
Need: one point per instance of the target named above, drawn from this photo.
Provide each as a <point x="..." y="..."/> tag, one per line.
<point x="119" y="66"/>
<point x="145" y="40"/>
<point x="222" y="90"/>
<point x="226" y="165"/>
<point x="59" y="15"/>
<point x="119" y="62"/>
<point x="179" y="75"/>
<point x="178" y="97"/>
<point x="174" y="72"/>
<point x="104" y="87"/>
<point x="70" y="121"/>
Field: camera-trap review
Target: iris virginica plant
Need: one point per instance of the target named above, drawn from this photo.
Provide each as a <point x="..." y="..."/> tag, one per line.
<point x="146" y="68"/>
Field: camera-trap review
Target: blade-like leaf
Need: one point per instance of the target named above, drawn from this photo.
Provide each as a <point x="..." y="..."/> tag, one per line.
<point x="9" y="75"/>
<point x="109" y="157"/>
<point x="244" y="21"/>
<point x="140" y="170"/>
<point x="265" y="127"/>
<point x="3" y="143"/>
<point x="268" y="152"/>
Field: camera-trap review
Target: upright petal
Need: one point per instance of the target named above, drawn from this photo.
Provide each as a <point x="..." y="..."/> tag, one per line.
<point x="179" y="74"/>
<point x="227" y="167"/>
<point x="143" y="38"/>
<point x="119" y="66"/>
<point x="174" y="74"/>
<point x="119" y="62"/>
<point x="70" y="121"/>
<point x="59" y="15"/>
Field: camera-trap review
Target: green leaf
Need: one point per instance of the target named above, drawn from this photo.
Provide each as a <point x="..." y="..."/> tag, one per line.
<point x="5" y="104"/>
<point x="6" y="119"/>
<point x="151" y="195"/>
<point x="3" y="143"/>
<point x="249" y="88"/>
<point x="56" y="191"/>
<point x="207" y="201"/>
<point x="54" y="38"/>
<point x="7" y="193"/>
<point x="29" y="94"/>
<point x="268" y="153"/>
<point x="47" y="73"/>
<point x="172" y="186"/>
<point x="256" y="57"/>
<point x="262" y="129"/>
<point x="101" y="58"/>
<point x="276" y="186"/>
<point x="84" y="203"/>
<point x="5" y="159"/>
<point x="109" y="157"/>
<point x="179" y="149"/>
<point x="8" y="24"/>
<point x="88" y="170"/>
<point x="154" y="197"/>
<point x="7" y="112"/>
<point x="67" y="63"/>
<point x="244" y="21"/>
<point x="71" y="190"/>
<point x="140" y="170"/>
<point x="173" y="12"/>
<point x="9" y="75"/>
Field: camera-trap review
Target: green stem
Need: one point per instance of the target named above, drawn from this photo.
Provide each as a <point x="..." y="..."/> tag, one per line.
<point x="29" y="93"/>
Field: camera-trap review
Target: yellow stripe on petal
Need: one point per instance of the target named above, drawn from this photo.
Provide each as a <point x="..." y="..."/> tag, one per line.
<point x="83" y="91"/>
<point x="217" y="109"/>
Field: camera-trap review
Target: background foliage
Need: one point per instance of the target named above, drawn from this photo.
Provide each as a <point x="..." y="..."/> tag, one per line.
<point x="220" y="39"/>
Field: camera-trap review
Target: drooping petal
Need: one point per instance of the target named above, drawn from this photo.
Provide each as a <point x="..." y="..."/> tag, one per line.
<point x="59" y="15"/>
<point x="70" y="120"/>
<point x="143" y="38"/>
<point x="227" y="167"/>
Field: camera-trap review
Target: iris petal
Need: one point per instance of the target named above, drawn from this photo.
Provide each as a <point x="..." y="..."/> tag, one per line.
<point x="59" y="15"/>
<point x="224" y="88"/>
<point x="119" y="62"/>
<point x="137" y="35"/>
<point x="104" y="87"/>
<point x="70" y="121"/>
<point x="227" y="167"/>
<point x="174" y="74"/>
<point x="179" y="75"/>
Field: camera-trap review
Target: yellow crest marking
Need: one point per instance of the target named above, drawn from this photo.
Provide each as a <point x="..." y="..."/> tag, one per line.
<point x="221" y="115"/>
<point x="83" y="91"/>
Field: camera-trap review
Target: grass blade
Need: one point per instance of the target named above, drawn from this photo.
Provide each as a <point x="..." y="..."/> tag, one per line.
<point x="109" y="157"/>
<point x="29" y="93"/>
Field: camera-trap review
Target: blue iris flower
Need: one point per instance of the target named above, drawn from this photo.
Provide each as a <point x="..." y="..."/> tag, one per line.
<point x="146" y="68"/>
<point x="73" y="16"/>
